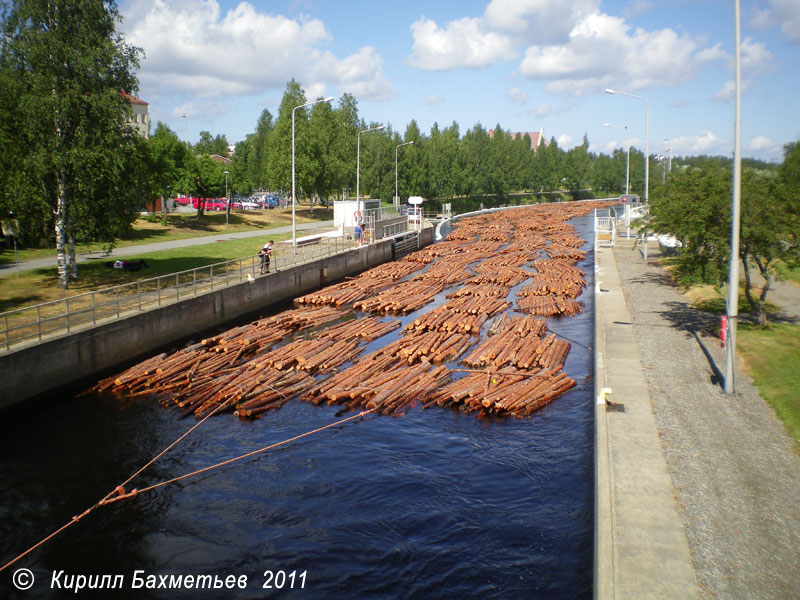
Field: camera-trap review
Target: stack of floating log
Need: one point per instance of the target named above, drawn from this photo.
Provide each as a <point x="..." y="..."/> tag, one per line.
<point x="555" y="278"/>
<point x="403" y="298"/>
<point x="560" y="251"/>
<point x="524" y="352"/>
<point x="304" y="318"/>
<point x="447" y="272"/>
<point x="310" y="355"/>
<point x="484" y="290"/>
<point x="242" y="370"/>
<point x="444" y="319"/>
<point x="366" y="328"/>
<point x="509" y="276"/>
<point x="522" y="326"/>
<point x="496" y="394"/>
<point x="432" y="346"/>
<point x="382" y="382"/>
<point x="549" y="306"/>
<point x="471" y="305"/>
<point x="362" y="287"/>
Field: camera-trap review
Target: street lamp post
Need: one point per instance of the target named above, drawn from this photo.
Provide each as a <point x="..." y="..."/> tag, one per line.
<point x="628" y="161"/>
<point x="227" y="200"/>
<point x="358" y="164"/>
<point x="294" y="201"/>
<point x="646" y="140"/>
<point x="396" y="194"/>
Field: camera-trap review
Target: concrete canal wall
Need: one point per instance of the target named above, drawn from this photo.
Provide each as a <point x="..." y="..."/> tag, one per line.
<point x="63" y="360"/>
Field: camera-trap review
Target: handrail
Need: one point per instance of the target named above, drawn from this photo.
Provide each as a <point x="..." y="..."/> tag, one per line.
<point x="34" y="323"/>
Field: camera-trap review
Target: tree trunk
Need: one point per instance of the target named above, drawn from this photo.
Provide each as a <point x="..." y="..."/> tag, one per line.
<point x="761" y="313"/>
<point x="61" y="234"/>
<point x="73" y="264"/>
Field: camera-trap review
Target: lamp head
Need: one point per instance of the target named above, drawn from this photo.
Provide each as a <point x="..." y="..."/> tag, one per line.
<point x="606" y="124"/>
<point x="610" y="91"/>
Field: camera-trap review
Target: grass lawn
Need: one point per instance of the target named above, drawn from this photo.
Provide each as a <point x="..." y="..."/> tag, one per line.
<point x="772" y="357"/>
<point x="792" y="275"/>
<point x="41" y="285"/>
<point x="186" y="225"/>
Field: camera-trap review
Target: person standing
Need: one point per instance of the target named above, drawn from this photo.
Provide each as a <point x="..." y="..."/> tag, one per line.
<point x="266" y="254"/>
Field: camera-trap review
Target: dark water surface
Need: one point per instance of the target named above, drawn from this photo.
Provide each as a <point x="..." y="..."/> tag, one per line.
<point x="434" y="504"/>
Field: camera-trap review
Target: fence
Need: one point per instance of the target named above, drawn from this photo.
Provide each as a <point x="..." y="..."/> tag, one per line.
<point x="604" y="227"/>
<point x="113" y="303"/>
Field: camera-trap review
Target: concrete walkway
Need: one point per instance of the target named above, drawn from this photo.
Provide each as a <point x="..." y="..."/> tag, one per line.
<point x="44" y="263"/>
<point x="641" y="550"/>
<point x="733" y="472"/>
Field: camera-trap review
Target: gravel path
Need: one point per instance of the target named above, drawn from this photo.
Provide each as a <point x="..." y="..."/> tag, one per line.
<point x="735" y="471"/>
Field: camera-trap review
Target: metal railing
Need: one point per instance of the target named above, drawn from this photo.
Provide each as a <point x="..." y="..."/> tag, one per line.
<point x="87" y="310"/>
<point x="394" y="228"/>
<point x="604" y="228"/>
<point x="385" y="212"/>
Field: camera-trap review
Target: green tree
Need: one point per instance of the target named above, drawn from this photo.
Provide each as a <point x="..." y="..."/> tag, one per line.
<point x="211" y="145"/>
<point x="203" y="177"/>
<point x="167" y="157"/>
<point x="694" y="206"/>
<point x="67" y="66"/>
<point x="279" y="151"/>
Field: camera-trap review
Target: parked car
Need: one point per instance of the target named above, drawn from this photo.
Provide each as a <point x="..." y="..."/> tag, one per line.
<point x="250" y="205"/>
<point x="210" y="203"/>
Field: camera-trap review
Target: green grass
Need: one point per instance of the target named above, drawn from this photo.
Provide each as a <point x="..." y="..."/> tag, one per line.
<point x="710" y="299"/>
<point x="41" y="285"/>
<point x="182" y="226"/>
<point x="792" y="275"/>
<point x="772" y="356"/>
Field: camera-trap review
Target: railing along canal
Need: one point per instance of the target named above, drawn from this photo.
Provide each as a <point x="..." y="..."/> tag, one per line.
<point x="87" y="310"/>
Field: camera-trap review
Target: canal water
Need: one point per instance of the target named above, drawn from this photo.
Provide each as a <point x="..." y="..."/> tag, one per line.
<point x="433" y="504"/>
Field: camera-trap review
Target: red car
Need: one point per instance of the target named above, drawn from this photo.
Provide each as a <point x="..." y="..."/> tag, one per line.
<point x="210" y="203"/>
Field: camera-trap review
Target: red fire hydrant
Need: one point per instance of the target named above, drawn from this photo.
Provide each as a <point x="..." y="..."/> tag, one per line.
<point x="723" y="331"/>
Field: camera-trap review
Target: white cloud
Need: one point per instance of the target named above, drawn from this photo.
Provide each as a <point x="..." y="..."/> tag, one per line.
<point x="544" y="109"/>
<point x="462" y="44"/>
<point x="761" y="143"/>
<point x="591" y="60"/>
<point x="193" y="47"/>
<point x="538" y="20"/>
<point x="705" y="143"/>
<point x="682" y="103"/>
<point x="517" y="95"/>
<point x="783" y="13"/>
<point x="564" y="141"/>
<point x="764" y="148"/>
<point x="755" y="59"/>
<point x="431" y="100"/>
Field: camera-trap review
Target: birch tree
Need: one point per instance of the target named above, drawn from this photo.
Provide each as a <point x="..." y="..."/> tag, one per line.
<point x="69" y="67"/>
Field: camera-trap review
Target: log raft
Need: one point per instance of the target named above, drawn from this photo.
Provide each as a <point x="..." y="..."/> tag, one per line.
<point x="316" y="350"/>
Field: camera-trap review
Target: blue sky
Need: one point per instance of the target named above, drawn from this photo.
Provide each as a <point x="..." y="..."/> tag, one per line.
<point x="527" y="65"/>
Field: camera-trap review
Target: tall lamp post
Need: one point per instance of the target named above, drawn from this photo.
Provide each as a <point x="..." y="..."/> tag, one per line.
<point x="396" y="194"/>
<point x="358" y="163"/>
<point x="227" y="200"/>
<point x="628" y="161"/>
<point x="733" y="270"/>
<point x="646" y="140"/>
<point x="294" y="201"/>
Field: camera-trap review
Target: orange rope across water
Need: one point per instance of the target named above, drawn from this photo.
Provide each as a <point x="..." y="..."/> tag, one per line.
<point x="122" y="494"/>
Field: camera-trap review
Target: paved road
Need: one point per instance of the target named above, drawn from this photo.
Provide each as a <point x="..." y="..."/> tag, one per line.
<point x="43" y="263"/>
<point x="734" y="469"/>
